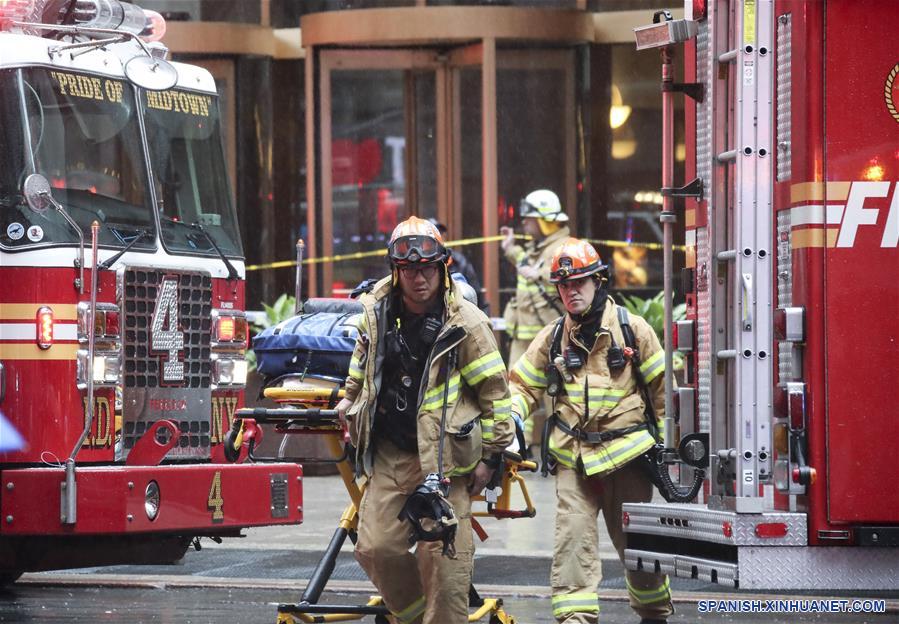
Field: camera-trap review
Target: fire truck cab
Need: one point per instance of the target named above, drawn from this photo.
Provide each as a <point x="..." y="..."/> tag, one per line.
<point x="122" y="314"/>
<point x="791" y="225"/>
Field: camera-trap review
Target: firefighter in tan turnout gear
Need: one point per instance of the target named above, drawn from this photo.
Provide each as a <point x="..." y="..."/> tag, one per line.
<point x="426" y="384"/>
<point x="536" y="301"/>
<point x="597" y="429"/>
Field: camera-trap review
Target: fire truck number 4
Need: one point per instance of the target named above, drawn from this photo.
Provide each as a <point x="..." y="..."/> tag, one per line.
<point x="215" y="502"/>
<point x="166" y="336"/>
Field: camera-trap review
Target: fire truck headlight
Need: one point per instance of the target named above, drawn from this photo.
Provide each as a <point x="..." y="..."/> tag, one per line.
<point x="151" y="500"/>
<point x="107" y="368"/>
<point x="230" y="372"/>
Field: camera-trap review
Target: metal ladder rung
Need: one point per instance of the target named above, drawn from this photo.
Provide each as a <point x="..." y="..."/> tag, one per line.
<point x="729" y="56"/>
<point x="728" y="156"/>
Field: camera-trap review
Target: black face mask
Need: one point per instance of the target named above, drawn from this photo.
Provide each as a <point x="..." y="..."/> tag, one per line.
<point x="597" y="307"/>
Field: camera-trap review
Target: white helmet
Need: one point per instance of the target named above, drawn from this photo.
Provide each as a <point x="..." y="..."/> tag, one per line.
<point x="542" y="204"/>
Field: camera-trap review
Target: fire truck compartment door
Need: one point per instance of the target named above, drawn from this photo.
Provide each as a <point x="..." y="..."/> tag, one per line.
<point x="861" y="261"/>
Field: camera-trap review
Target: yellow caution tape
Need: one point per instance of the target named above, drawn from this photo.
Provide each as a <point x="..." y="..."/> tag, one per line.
<point x="462" y="242"/>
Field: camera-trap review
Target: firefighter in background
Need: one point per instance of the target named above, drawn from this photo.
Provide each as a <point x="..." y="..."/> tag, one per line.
<point x="597" y="430"/>
<point x="424" y="357"/>
<point x="462" y="265"/>
<point x="536" y="301"/>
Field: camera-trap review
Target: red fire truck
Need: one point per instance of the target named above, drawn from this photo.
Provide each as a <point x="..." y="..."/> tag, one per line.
<point x="791" y="223"/>
<point x="122" y="318"/>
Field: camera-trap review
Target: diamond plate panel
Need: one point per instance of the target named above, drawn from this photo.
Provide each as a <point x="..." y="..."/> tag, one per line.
<point x="166" y="327"/>
<point x="704" y="109"/>
<point x="704" y="329"/>
<point x="819" y="567"/>
<point x="787" y="353"/>
<point x="784" y="96"/>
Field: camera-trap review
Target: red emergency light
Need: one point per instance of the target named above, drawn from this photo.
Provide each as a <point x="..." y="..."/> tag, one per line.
<point x="108" y="14"/>
<point x="14" y="11"/>
<point x="700" y="10"/>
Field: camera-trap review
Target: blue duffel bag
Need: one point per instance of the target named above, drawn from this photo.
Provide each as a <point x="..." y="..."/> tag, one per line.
<point x="318" y="342"/>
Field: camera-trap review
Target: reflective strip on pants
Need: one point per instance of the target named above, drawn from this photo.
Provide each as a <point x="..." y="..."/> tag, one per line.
<point x="650" y="596"/>
<point x="585" y="602"/>
<point x="411" y="612"/>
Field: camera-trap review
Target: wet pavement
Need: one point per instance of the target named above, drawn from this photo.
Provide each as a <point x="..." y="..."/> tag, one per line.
<point x="243" y="580"/>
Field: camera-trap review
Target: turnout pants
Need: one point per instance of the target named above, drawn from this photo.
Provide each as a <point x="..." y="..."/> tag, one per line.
<point x="423" y="586"/>
<point x="576" y="568"/>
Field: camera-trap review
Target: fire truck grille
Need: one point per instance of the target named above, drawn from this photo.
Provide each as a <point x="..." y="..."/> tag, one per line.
<point x="142" y="363"/>
<point x="166" y="334"/>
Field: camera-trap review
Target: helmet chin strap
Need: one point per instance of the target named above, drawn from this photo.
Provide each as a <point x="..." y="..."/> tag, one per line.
<point x="548" y="227"/>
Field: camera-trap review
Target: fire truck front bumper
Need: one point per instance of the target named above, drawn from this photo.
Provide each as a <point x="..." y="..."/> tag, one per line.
<point x="197" y="499"/>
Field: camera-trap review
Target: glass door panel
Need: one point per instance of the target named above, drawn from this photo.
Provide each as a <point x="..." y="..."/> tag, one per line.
<point x="373" y="174"/>
<point x="367" y="167"/>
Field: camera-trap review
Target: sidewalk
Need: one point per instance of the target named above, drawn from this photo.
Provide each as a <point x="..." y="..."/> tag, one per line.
<point x="324" y="499"/>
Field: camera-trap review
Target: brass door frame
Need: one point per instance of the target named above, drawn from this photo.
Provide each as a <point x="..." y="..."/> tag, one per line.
<point x="337" y="60"/>
<point x="337" y="39"/>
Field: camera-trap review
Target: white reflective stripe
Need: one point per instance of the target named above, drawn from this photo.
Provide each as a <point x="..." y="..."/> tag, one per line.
<point x="28" y="331"/>
<point x="815" y="215"/>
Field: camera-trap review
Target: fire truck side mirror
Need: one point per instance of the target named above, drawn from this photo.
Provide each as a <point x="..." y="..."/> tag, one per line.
<point x="151" y="73"/>
<point x="37" y="192"/>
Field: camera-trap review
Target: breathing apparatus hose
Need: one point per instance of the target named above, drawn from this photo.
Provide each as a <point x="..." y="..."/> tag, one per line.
<point x="450" y="365"/>
<point x="654" y="459"/>
<point x="661" y="478"/>
<point x="428" y="509"/>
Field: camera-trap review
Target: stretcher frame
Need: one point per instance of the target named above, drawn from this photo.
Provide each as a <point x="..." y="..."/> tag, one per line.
<point x="310" y="410"/>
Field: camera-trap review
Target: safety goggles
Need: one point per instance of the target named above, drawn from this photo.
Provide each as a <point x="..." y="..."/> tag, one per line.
<point x="415" y="248"/>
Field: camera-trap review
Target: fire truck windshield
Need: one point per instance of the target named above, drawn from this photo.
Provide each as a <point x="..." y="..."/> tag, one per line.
<point x="191" y="180"/>
<point x="81" y="132"/>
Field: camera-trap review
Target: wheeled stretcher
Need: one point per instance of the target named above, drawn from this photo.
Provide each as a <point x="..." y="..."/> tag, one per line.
<point x="306" y="388"/>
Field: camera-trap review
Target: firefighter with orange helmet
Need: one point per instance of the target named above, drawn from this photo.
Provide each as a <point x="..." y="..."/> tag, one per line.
<point x="597" y="365"/>
<point x="536" y="301"/>
<point x="428" y="409"/>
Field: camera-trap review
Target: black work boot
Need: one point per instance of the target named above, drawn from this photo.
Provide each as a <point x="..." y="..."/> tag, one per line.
<point x="652" y="621"/>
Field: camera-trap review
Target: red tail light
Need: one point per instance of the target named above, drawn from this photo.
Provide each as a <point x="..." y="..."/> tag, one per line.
<point x="727" y="529"/>
<point x="700" y="10"/>
<point x="44" y="323"/>
<point x="771" y="529"/>
<point x="112" y="323"/>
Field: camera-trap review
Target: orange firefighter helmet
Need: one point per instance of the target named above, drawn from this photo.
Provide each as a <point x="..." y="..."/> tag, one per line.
<point x="576" y="259"/>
